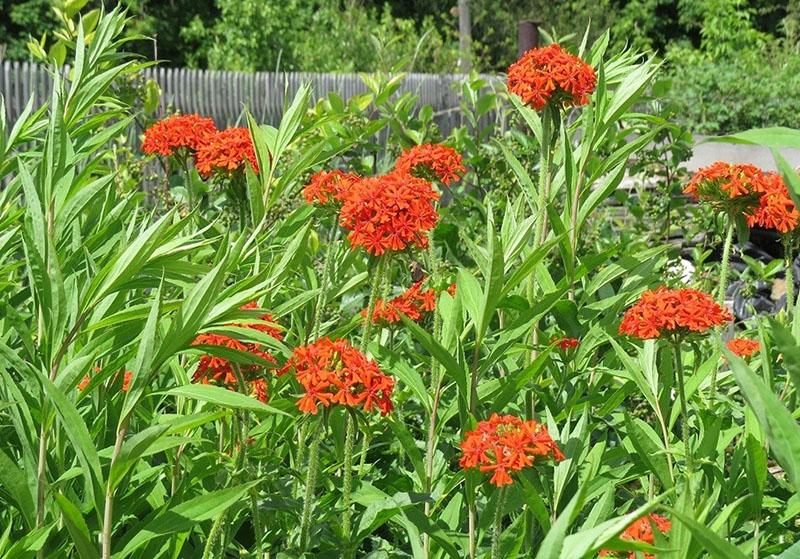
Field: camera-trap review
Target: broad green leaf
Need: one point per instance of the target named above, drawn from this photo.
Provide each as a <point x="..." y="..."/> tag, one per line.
<point x="223" y="397"/>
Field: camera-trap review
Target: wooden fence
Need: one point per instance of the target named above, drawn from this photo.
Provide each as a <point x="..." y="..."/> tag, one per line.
<point x="223" y="95"/>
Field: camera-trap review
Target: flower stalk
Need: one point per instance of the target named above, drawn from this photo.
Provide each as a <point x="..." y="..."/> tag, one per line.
<point x="311" y="482"/>
<point x="497" y="526"/>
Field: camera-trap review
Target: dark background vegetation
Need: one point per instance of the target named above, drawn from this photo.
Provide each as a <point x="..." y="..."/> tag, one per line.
<point x="732" y="64"/>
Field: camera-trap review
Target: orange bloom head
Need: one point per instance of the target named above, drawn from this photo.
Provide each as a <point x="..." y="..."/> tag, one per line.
<point x="776" y="209"/>
<point x="226" y="152"/>
<point x="565" y="344"/>
<point x="389" y="213"/>
<point x="743" y="347"/>
<point x="177" y="132"/>
<point x="126" y="380"/>
<point x="414" y="303"/>
<point x="504" y="444"/>
<point x="551" y="76"/>
<point x="431" y="162"/>
<point x="734" y="188"/>
<point x="213" y="369"/>
<point x="640" y="530"/>
<point x="334" y="372"/>
<point x="329" y="187"/>
<point x="673" y="313"/>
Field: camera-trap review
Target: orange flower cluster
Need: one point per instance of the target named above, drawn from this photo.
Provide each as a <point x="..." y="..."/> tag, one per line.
<point x="334" y="372"/>
<point x="566" y="343"/>
<point x="167" y="136"/>
<point x="504" y="444"/>
<point x="551" y="75"/>
<point x="431" y="161"/>
<point x="226" y="152"/>
<point x="413" y="303"/>
<point x="329" y="187"/>
<point x="126" y="380"/>
<point x="640" y="531"/>
<point x="664" y="311"/>
<point x="776" y="209"/>
<point x="730" y="187"/>
<point x="744" y="347"/>
<point x="213" y="369"/>
<point x="389" y="213"/>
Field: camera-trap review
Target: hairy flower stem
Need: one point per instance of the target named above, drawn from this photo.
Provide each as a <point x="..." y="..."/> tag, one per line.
<point x="789" y="276"/>
<point x="684" y="409"/>
<point x="301" y="447"/>
<point x="380" y="273"/>
<point x="108" y="511"/>
<point x="545" y="180"/>
<point x="430" y="446"/>
<point x="311" y="482"/>
<point x="723" y="288"/>
<point x="497" y="527"/>
<point x="213" y="535"/>
<point x="347" y="477"/>
<point x="325" y="281"/>
<point x="726" y="257"/>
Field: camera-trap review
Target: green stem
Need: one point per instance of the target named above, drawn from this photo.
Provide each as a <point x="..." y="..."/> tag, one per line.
<point x="684" y="408"/>
<point x="347" y="478"/>
<point x="301" y="447"/>
<point x="497" y="528"/>
<point x="213" y="536"/>
<point x="324" y="284"/>
<point x="380" y="273"/>
<point x="311" y="482"/>
<point x="789" y="276"/>
<point x="726" y="256"/>
<point x="723" y="287"/>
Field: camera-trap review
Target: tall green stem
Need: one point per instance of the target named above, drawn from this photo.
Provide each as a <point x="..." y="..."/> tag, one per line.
<point x="789" y="277"/>
<point x="377" y="285"/>
<point x="324" y="284"/>
<point x="684" y="408"/>
<point x="497" y="528"/>
<point x="311" y="482"/>
<point x="726" y="257"/>
<point x="723" y="288"/>
<point x="214" y="535"/>
<point x="108" y="512"/>
<point x="545" y="179"/>
<point x="347" y="478"/>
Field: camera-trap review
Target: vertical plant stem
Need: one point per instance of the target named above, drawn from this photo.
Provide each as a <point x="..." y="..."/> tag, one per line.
<point x="108" y="511"/>
<point x="545" y="180"/>
<point x="723" y="287"/>
<point x="789" y="275"/>
<point x="311" y="482"/>
<point x="213" y="535"/>
<point x="726" y="256"/>
<point x="684" y="408"/>
<point x="324" y="284"/>
<point x="347" y="477"/>
<point x="41" y="474"/>
<point x="574" y="230"/>
<point x="301" y="447"/>
<point x="472" y="521"/>
<point x="380" y="273"/>
<point x="497" y="527"/>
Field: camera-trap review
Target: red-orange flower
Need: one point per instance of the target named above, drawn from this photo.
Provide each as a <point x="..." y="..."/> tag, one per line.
<point x="663" y="312"/>
<point x="730" y="187"/>
<point x="167" y="136"/>
<point x="328" y="187"/>
<point x="432" y="162"/>
<point x="334" y="372"/>
<point x="551" y="75"/>
<point x="213" y="369"/>
<point x="226" y="151"/>
<point x="776" y="209"/>
<point x="413" y="303"/>
<point x="389" y="213"/>
<point x="566" y="343"/>
<point x="744" y="347"/>
<point x="640" y="531"/>
<point x="504" y="444"/>
<point x="126" y="380"/>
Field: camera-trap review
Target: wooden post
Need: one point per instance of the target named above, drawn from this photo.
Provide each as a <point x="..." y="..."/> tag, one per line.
<point x="527" y="36"/>
<point x="464" y="38"/>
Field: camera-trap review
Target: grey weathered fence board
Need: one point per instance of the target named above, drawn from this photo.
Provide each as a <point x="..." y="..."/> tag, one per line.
<point x="224" y="95"/>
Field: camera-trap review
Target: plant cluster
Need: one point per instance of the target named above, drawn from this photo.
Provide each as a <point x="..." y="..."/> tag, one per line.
<point x="176" y="383"/>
